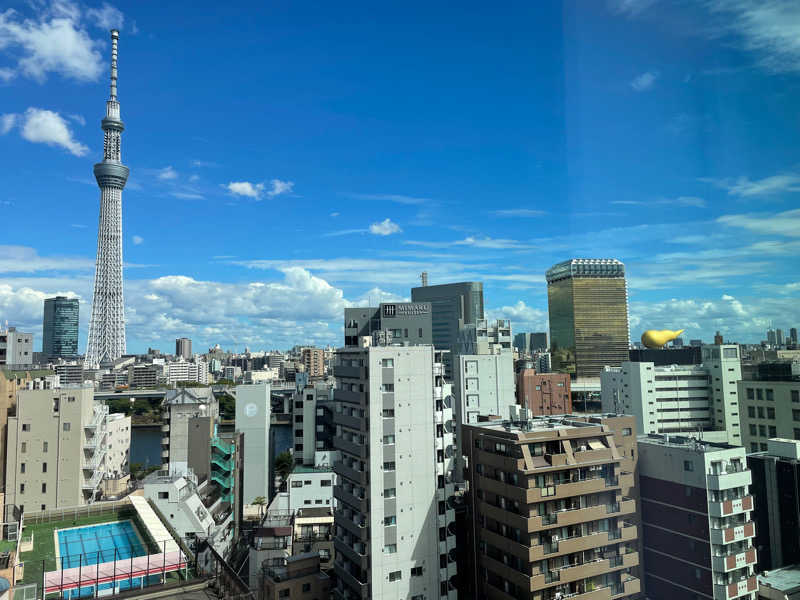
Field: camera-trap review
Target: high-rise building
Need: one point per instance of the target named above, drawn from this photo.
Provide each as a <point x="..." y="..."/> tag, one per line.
<point x="253" y="410"/>
<point x="70" y="373"/>
<point x="16" y="347"/>
<point x="314" y="432"/>
<point x="552" y="505"/>
<point x="588" y="307"/>
<point x="183" y="348"/>
<point x="60" y="327"/>
<point x="544" y="393"/>
<point x="189" y="417"/>
<point x="57" y="448"/>
<point x="779" y="337"/>
<point x="718" y="339"/>
<point x="394" y="521"/>
<point x="777" y="503"/>
<point x="679" y="398"/>
<point x="793" y="335"/>
<point x="405" y="321"/>
<point x="453" y="305"/>
<point x="771" y="337"/>
<point x="187" y="371"/>
<point x="697" y="529"/>
<point x="314" y="361"/>
<point x="530" y="342"/>
<point x="107" y="323"/>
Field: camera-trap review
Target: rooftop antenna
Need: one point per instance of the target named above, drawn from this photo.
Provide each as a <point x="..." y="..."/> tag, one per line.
<point x="424" y="277"/>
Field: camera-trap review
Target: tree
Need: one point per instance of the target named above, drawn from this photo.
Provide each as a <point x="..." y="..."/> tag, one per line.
<point x="260" y="501"/>
<point x="284" y="463"/>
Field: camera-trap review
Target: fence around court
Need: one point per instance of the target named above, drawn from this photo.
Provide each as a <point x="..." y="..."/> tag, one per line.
<point x="74" y="513"/>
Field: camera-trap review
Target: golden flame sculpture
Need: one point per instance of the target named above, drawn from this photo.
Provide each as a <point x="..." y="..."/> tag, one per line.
<point x="656" y="338"/>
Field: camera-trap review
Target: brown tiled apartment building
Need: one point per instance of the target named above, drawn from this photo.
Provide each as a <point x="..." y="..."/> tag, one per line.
<point x="553" y="508"/>
<point x="544" y="393"/>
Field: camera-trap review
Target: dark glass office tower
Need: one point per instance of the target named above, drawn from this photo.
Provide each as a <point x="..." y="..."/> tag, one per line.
<point x="452" y="305"/>
<point x="588" y="305"/>
<point x="60" y="327"/>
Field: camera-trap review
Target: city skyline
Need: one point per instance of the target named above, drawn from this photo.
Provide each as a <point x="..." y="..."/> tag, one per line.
<point x="335" y="158"/>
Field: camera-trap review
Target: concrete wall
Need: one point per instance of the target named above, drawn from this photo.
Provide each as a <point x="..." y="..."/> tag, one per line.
<point x="307" y="489"/>
<point x="252" y="419"/>
<point x="118" y="441"/>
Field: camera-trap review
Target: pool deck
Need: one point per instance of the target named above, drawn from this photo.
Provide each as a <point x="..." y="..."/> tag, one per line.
<point x="135" y="529"/>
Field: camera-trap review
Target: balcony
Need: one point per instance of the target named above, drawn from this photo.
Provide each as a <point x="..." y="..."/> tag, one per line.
<point x="522" y="580"/>
<point x="359" y="477"/>
<point x="361" y="588"/>
<point x="734" y="590"/>
<point x="349" y="371"/>
<point x="632" y="585"/>
<point x="90" y="483"/>
<point x="599" y="593"/>
<point x="523" y="551"/>
<point x="731" y="562"/>
<point x="357" y="423"/>
<point x="356" y="449"/>
<point x="556" y="460"/>
<point x="358" y="529"/>
<point x="728" y="480"/>
<point x="165" y="428"/>
<point x="362" y="560"/>
<point x="360" y="503"/>
<point x="165" y="441"/>
<point x="729" y="535"/>
<point x="730" y="507"/>
<point x="165" y="454"/>
<point x="592" y="456"/>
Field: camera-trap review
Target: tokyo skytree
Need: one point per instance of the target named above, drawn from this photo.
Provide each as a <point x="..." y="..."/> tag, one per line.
<point x="107" y="324"/>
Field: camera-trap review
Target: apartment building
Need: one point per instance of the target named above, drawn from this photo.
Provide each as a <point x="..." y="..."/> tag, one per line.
<point x="680" y="398"/>
<point x="187" y="371"/>
<point x="314" y="361"/>
<point x="188" y="425"/>
<point x="777" y="503"/>
<point x="310" y="487"/>
<point x="313" y="430"/>
<point x="544" y="393"/>
<point x="16" y="347"/>
<point x="57" y="448"/>
<point x="395" y="525"/>
<point x="253" y="409"/>
<point x="406" y="321"/>
<point x="552" y="502"/>
<point x="696" y="519"/>
<point x="769" y="409"/>
<point x="297" y="576"/>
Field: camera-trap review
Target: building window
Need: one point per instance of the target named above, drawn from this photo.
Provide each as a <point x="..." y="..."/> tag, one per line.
<point x="796" y="433"/>
<point x="325" y="483"/>
<point x="66" y="427"/>
<point x="763" y="447"/>
<point x="795" y="395"/>
<point x="389" y="521"/>
<point x="770" y="412"/>
<point x="394" y="575"/>
<point x="773" y="431"/>
<point x="388" y="413"/>
<point x="688" y="465"/>
<point x="389" y="492"/>
<point x="390" y="549"/>
<point x="23" y="447"/>
<point x="751" y="394"/>
<point x="753" y="429"/>
<point x="21" y="467"/>
<point x="754" y="445"/>
<point x="21" y="488"/>
<point x="26" y="427"/>
<point x="771" y="395"/>
<point x="44" y="446"/>
<point x="163" y="495"/>
<point x="387" y="387"/>
<point x="796" y="415"/>
<point x="44" y="488"/>
<point x="389" y="466"/>
<point x="762" y="430"/>
<point x="416" y="571"/>
<point x="760" y="394"/>
<point x="284" y="593"/>
<point x="388" y="439"/>
<point x="44" y="467"/>
<point x="297" y="484"/>
<point x="751" y="412"/>
<point x="420" y="332"/>
<point x="306" y="588"/>
<point x="760" y="412"/>
<point x="387" y="363"/>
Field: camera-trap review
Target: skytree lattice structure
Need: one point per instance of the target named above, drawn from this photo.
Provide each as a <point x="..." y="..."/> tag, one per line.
<point x="107" y="325"/>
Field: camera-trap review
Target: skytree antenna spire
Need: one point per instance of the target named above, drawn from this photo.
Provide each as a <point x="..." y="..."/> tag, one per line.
<point x="107" y="324"/>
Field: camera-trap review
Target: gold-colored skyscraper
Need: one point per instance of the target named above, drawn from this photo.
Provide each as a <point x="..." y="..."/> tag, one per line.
<point x="588" y="305"/>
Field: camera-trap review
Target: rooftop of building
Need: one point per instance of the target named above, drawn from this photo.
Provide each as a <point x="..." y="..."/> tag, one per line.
<point x="547" y="422"/>
<point x="189" y="395"/>
<point x="314" y="512"/>
<point x="786" y="579"/>
<point x="780" y="448"/>
<point x="585" y="267"/>
<point x="309" y="469"/>
<point x="684" y="442"/>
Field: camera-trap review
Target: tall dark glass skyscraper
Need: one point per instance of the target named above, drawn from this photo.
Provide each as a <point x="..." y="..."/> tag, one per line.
<point x="60" y="327"/>
<point x="588" y="305"/>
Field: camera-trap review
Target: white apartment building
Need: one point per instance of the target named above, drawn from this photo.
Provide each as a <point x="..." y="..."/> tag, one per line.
<point x="679" y="398"/>
<point x="312" y="432"/>
<point x="394" y="521"/>
<point x="16" y="347"/>
<point x="186" y="410"/>
<point x="310" y="487"/>
<point x="118" y="443"/>
<point x="58" y="446"/>
<point x="187" y="371"/>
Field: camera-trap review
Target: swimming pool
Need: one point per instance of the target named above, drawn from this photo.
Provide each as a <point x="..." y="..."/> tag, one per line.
<point x="93" y="544"/>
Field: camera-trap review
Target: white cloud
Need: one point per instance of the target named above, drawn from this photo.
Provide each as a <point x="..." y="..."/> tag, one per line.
<point x="645" y="81"/>
<point x="693" y="201"/>
<point x="245" y="188"/>
<point x="167" y="173"/>
<point x="630" y="7"/>
<point x="522" y="317"/>
<point x="279" y="187"/>
<point x="54" y="42"/>
<point x="334" y="214"/>
<point x="186" y="195"/>
<point x="106" y="17"/>
<point x="519" y="212"/>
<point x="137" y="240"/>
<point x="47" y="127"/>
<point x="194" y="177"/>
<point x="398" y="198"/>
<point x="23" y="259"/>
<point x="78" y="119"/>
<point x="743" y="187"/>
<point x="785" y="223"/>
<point x="476" y="242"/>
<point x="768" y="28"/>
<point x="7" y="122"/>
<point x="385" y="227"/>
<point x="6" y="74"/>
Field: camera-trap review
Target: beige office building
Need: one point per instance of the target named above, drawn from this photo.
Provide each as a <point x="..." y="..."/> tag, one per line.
<point x="314" y="361"/>
<point x="57" y="447"/>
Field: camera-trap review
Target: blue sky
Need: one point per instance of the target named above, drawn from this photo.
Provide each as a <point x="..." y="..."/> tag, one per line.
<point x="291" y="159"/>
